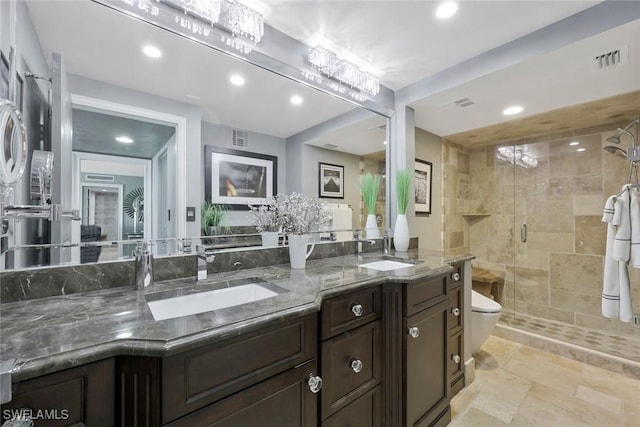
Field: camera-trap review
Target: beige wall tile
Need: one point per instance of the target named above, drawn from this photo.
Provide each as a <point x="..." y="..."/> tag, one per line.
<point x="550" y="214"/>
<point x="591" y="235"/>
<point x="564" y="160"/>
<point x="537" y="259"/>
<point x="531" y="285"/>
<point x="576" y="302"/>
<point x="586" y="184"/>
<point x="588" y="205"/>
<point x="577" y="273"/>
<point x="551" y="242"/>
<point x="550" y="313"/>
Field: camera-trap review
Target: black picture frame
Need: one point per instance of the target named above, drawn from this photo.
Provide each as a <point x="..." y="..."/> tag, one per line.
<point x="423" y="178"/>
<point x="330" y="181"/>
<point x="4" y="76"/>
<point x="237" y="178"/>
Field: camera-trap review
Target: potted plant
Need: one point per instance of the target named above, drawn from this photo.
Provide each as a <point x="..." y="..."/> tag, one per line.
<point x="299" y="215"/>
<point x="370" y="186"/>
<point x="401" y="230"/>
<point x="268" y="223"/>
<point x="212" y="216"/>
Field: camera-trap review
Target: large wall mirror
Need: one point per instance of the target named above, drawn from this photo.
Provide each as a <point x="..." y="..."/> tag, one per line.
<point x="134" y="162"/>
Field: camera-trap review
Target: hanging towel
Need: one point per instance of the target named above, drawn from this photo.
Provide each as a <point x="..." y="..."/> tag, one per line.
<point x="634" y="213"/>
<point x="611" y="281"/>
<point x="626" y="310"/>
<point x="622" y="218"/>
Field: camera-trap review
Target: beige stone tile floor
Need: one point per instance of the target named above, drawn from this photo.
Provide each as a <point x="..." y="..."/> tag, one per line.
<point x="522" y="386"/>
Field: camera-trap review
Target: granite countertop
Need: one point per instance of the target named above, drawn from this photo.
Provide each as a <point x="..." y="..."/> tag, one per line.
<point x="54" y="333"/>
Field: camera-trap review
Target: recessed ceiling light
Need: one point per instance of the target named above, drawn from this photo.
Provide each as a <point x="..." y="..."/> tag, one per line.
<point x="296" y="100"/>
<point x="152" y="51"/>
<point x="384" y="142"/>
<point x="446" y="10"/>
<point x="574" y="143"/>
<point x="581" y="149"/>
<point x="123" y="335"/>
<point x="237" y="79"/>
<point x="512" y="110"/>
<point x="124" y="139"/>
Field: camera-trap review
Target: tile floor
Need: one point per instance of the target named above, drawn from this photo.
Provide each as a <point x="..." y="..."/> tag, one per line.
<point x="518" y="385"/>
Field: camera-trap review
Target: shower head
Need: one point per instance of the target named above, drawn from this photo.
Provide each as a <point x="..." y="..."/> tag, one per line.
<point x="615" y="150"/>
<point x="614" y="139"/>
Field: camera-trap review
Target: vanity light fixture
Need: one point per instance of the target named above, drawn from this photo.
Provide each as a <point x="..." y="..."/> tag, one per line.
<point x="152" y="51"/>
<point x="574" y="143"/>
<point x="237" y="80"/>
<point x="246" y="25"/>
<point x="510" y="111"/>
<point x="446" y="10"/>
<point x="124" y="139"/>
<point x="296" y="100"/>
<point x="516" y="155"/>
<point x="206" y="9"/>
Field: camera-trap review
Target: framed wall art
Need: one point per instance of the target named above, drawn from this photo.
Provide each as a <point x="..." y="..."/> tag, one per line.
<point x="331" y="181"/>
<point x="237" y="178"/>
<point x="423" y="182"/>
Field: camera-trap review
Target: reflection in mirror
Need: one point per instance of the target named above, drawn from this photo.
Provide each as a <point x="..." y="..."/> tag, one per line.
<point x="171" y="107"/>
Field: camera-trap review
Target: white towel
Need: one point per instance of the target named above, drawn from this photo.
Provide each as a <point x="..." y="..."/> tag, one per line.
<point x="634" y="213"/>
<point x="611" y="281"/>
<point x="622" y="218"/>
<point x="626" y="310"/>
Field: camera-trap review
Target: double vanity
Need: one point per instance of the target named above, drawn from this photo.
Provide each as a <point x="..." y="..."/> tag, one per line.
<point x="355" y="340"/>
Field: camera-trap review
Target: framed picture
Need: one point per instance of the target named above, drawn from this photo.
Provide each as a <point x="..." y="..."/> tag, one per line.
<point x="236" y="178"/>
<point x="423" y="181"/>
<point x="331" y="181"/>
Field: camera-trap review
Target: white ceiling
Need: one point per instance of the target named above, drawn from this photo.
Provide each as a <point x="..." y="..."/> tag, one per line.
<point x="401" y="38"/>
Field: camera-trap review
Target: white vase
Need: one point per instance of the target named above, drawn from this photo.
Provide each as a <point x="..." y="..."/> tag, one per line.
<point x="371" y="227"/>
<point x="401" y="234"/>
<point x="270" y="238"/>
<point x="298" y="253"/>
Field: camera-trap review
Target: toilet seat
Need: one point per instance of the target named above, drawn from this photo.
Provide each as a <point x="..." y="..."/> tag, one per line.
<point x="482" y="304"/>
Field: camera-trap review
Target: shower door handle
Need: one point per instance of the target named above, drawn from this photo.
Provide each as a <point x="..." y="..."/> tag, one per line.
<point x="523" y="233"/>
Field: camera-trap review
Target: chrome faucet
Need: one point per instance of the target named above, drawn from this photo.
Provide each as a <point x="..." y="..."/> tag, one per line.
<point x="205" y="256"/>
<point x="358" y="241"/>
<point x="386" y="242"/>
<point x="144" y="265"/>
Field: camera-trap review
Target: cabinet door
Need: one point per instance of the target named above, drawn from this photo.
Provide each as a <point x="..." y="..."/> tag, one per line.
<point x="426" y="369"/>
<point x="364" y="412"/>
<point x="81" y="396"/>
<point x="282" y="401"/>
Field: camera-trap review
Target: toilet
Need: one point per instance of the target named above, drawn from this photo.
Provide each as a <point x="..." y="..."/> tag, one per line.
<point x="485" y="313"/>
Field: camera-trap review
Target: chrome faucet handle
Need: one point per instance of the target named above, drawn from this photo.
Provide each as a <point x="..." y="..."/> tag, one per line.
<point x="143" y="265"/>
<point x="205" y="256"/>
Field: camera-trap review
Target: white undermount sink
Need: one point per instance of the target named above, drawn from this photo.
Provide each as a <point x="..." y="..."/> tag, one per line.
<point x="201" y="302"/>
<point x="386" y="265"/>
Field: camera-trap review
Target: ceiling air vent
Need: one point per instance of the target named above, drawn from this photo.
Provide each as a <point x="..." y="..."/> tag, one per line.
<point x="103" y="178"/>
<point x="330" y="146"/>
<point x="463" y="102"/>
<point x="239" y="138"/>
<point x="611" y="59"/>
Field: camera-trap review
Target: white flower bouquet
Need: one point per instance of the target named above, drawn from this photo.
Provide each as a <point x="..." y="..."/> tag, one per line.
<point x="299" y="214"/>
<point x="265" y="217"/>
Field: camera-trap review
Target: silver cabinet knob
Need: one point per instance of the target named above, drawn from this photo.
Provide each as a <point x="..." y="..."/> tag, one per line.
<point x="455" y="311"/>
<point x="414" y="332"/>
<point x="455" y="276"/>
<point x="357" y="310"/>
<point x="356" y="365"/>
<point x="455" y="358"/>
<point x="314" y="382"/>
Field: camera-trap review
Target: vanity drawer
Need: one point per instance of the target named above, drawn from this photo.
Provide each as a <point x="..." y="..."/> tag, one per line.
<point x="196" y="378"/>
<point x="348" y="311"/>
<point x="364" y="412"/>
<point x="351" y="365"/>
<point x="456" y="277"/>
<point x="456" y="310"/>
<point x="456" y="362"/>
<point x="423" y="294"/>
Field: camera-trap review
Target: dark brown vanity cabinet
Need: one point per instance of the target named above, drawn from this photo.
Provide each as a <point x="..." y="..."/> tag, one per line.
<point x="456" y="329"/>
<point x="82" y="396"/>
<point x="351" y="360"/>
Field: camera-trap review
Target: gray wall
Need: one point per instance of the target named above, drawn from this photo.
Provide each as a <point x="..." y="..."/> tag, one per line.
<point x="117" y="94"/>
<point x="428" y="228"/>
<point x="221" y="136"/>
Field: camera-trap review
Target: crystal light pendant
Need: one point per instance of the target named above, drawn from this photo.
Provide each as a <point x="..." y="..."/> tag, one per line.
<point x="206" y="9"/>
<point x="328" y="63"/>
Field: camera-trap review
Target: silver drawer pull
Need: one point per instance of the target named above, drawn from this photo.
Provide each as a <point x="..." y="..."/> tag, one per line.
<point x="455" y="311"/>
<point x="356" y="365"/>
<point x="455" y="276"/>
<point x="414" y="332"/>
<point x="455" y="358"/>
<point x="314" y="382"/>
<point x="357" y="310"/>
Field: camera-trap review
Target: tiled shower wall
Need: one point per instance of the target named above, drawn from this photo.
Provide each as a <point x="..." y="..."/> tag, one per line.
<point x="557" y="273"/>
